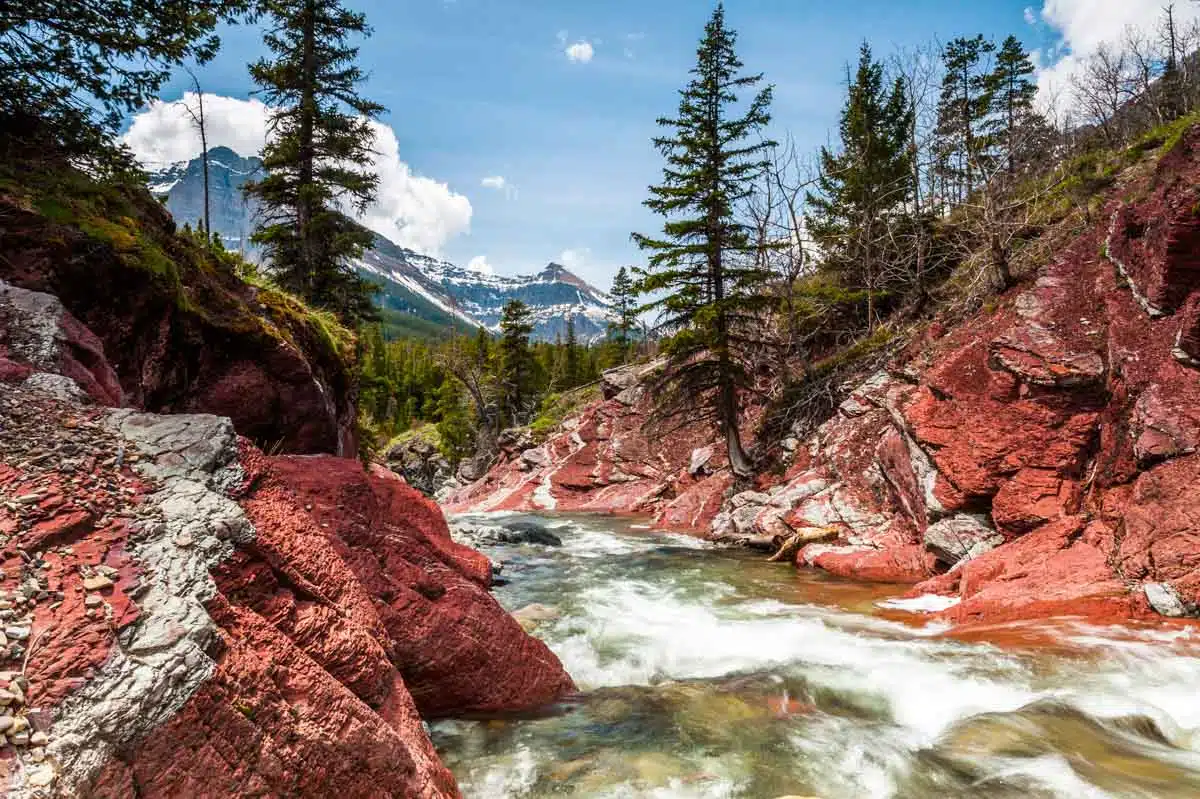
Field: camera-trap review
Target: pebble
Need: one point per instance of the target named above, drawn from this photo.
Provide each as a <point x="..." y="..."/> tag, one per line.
<point x="17" y="633"/>
<point x="183" y="541"/>
<point x="42" y="777"/>
<point x="39" y="739"/>
<point x="93" y="601"/>
<point x="6" y="723"/>
<point x="107" y="571"/>
<point x="37" y="755"/>
<point x="19" y="739"/>
<point x="96" y="582"/>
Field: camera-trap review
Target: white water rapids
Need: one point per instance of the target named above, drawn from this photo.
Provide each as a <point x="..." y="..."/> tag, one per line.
<point x="709" y="673"/>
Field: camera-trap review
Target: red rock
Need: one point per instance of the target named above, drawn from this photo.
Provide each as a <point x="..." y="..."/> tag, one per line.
<point x="379" y="551"/>
<point x="218" y="350"/>
<point x="1032" y="498"/>
<point x="1161" y="528"/>
<point x="240" y="734"/>
<point x="1051" y="571"/>
<point x="900" y="564"/>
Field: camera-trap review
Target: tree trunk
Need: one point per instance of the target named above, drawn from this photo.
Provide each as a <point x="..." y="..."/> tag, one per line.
<point x="304" y="211"/>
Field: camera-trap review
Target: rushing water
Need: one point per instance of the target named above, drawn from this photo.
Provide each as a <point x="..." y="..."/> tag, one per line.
<point x="709" y="673"/>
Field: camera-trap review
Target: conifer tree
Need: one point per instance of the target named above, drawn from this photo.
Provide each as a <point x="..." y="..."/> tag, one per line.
<point x="515" y="364"/>
<point x="318" y="156"/>
<point x="571" y="367"/>
<point x="1012" y="93"/>
<point x="701" y="274"/>
<point x="624" y="300"/>
<point x="863" y="184"/>
<point x="963" y="108"/>
<point x="83" y="65"/>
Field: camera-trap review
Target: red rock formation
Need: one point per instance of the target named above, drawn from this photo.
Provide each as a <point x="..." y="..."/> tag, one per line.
<point x="285" y="623"/>
<point x="199" y="341"/>
<point x="1044" y="449"/>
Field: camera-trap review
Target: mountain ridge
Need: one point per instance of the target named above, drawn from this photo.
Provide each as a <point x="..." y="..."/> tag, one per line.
<point x="419" y="294"/>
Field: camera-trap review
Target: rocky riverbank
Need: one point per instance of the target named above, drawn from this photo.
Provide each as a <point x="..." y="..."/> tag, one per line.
<point x="1031" y="460"/>
<point x="186" y="616"/>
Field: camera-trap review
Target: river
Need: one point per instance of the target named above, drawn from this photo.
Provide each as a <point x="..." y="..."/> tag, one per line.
<point x="707" y="672"/>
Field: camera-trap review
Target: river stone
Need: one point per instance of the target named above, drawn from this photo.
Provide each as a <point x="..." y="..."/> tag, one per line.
<point x="700" y="458"/>
<point x="961" y="537"/>
<point x="527" y="533"/>
<point x="530" y="616"/>
<point x="534" y="458"/>
<point x="1165" y="600"/>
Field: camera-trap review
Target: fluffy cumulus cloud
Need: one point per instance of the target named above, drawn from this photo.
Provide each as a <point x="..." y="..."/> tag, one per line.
<point x="164" y="133"/>
<point x="411" y="210"/>
<point x="480" y="265"/>
<point x="580" y="51"/>
<point x="1084" y="26"/>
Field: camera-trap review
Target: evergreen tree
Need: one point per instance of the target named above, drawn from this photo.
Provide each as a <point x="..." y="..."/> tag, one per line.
<point x="862" y="186"/>
<point x="963" y="108"/>
<point x="706" y="284"/>
<point x="83" y="65"/>
<point x="1012" y="91"/>
<point x="515" y="365"/>
<point x="318" y="157"/>
<point x="572" y="368"/>
<point x="454" y="425"/>
<point x="624" y="299"/>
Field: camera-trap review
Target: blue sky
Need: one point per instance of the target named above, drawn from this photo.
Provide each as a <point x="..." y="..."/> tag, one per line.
<point x="480" y="89"/>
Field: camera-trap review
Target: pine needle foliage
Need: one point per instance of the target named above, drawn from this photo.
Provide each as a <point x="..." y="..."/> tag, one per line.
<point x="82" y="65"/>
<point x="318" y="157"/>
<point x="702" y="277"/>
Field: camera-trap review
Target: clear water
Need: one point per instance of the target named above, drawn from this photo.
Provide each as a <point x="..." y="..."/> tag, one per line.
<point x="709" y="673"/>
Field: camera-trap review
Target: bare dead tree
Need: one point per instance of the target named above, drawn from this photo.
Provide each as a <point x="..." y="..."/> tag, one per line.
<point x="197" y="115"/>
<point x="1103" y="88"/>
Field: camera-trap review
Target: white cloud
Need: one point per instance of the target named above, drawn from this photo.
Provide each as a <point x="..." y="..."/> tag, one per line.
<point x="413" y="211"/>
<point x="164" y="133"/>
<point x="580" y="52"/>
<point x="1030" y="16"/>
<point x="480" y="264"/>
<point x="501" y="184"/>
<point x="1085" y="25"/>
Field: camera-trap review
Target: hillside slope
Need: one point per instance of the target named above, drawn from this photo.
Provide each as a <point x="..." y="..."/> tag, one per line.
<point x="182" y="331"/>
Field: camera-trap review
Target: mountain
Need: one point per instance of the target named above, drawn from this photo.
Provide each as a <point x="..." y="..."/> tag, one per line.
<point x="420" y="295"/>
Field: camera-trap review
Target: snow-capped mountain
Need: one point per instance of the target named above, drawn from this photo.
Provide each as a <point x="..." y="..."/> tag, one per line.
<point x="418" y="292"/>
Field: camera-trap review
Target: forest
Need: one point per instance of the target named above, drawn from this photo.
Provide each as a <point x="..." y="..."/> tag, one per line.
<point x="775" y="269"/>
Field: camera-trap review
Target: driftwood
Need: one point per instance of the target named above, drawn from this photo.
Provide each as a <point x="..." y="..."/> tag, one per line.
<point x="793" y="543"/>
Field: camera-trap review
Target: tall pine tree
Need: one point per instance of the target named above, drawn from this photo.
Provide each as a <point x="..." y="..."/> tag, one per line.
<point x="861" y="186"/>
<point x="963" y="108"/>
<point x="1012" y="91"/>
<point x="624" y="303"/>
<point x="318" y="157"/>
<point x="701" y="276"/>
<point x="515" y="364"/>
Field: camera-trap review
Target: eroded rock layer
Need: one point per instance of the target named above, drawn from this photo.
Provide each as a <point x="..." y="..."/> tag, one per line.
<point x="185" y="616"/>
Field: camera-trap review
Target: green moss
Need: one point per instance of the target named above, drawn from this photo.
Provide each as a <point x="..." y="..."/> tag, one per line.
<point x="425" y="432"/>
<point x="880" y="338"/>
<point x="557" y="408"/>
